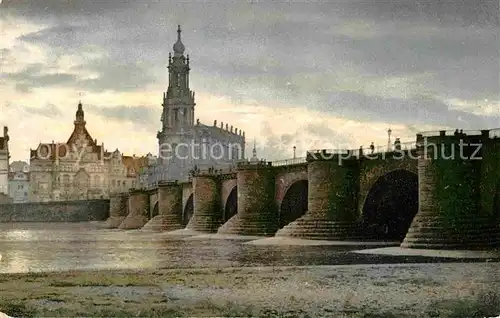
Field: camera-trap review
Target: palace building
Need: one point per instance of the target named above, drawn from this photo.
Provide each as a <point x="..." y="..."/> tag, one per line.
<point x="80" y="168"/>
<point x="186" y="144"/>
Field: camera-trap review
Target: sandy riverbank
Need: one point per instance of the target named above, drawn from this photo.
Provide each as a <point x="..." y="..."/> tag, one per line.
<point x="416" y="290"/>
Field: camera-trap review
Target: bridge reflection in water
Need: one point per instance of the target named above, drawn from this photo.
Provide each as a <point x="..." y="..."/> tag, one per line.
<point x="36" y="247"/>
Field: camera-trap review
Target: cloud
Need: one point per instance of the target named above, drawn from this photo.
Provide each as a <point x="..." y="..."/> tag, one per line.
<point x="142" y="118"/>
<point x="412" y="111"/>
<point x="465" y="12"/>
<point x="49" y="111"/>
<point x="32" y="77"/>
<point x="293" y="74"/>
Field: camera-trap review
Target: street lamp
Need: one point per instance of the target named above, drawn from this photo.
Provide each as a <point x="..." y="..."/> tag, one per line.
<point x="389" y="131"/>
<point x="294" y="148"/>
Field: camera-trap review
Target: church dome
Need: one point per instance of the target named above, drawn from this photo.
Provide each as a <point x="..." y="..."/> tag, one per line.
<point x="178" y="46"/>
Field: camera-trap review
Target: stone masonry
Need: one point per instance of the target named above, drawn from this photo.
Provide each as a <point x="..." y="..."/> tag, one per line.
<point x="458" y="199"/>
<point x="333" y="190"/>
<point x="207" y="215"/>
<point x="169" y="216"/>
<point x="118" y="210"/>
<point x="256" y="210"/>
<point x="61" y="211"/>
<point x="450" y="214"/>
<point x="138" y="206"/>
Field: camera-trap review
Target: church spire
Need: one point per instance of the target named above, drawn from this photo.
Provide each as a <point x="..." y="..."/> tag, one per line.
<point x="254" y="152"/>
<point x="178" y="46"/>
<point x="80" y="115"/>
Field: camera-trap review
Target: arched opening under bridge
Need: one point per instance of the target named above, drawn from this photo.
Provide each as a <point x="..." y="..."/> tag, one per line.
<point x="391" y="205"/>
<point x="231" y="207"/>
<point x="155" y="211"/>
<point x="294" y="203"/>
<point x="188" y="211"/>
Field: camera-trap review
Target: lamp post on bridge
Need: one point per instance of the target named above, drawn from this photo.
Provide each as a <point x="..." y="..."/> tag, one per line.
<point x="294" y="148"/>
<point x="389" y="131"/>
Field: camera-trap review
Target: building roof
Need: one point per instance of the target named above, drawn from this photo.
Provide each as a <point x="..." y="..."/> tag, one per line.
<point x="52" y="151"/>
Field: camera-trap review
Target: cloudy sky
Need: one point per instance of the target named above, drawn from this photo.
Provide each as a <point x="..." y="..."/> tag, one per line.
<point x="310" y="74"/>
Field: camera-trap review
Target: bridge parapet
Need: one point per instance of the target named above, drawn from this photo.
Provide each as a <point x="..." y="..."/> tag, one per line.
<point x="329" y="154"/>
<point x="443" y="133"/>
<point x="404" y="146"/>
<point x="289" y="162"/>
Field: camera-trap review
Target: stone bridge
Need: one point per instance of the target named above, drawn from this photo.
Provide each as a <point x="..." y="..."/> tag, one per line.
<point x="420" y="196"/>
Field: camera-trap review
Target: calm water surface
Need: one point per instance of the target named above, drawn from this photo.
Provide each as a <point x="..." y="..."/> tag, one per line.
<point x="36" y="247"/>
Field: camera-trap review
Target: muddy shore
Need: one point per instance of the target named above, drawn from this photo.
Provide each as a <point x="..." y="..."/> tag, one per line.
<point x="399" y="290"/>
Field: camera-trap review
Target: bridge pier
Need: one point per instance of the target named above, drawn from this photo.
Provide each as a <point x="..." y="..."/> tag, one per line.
<point x="256" y="209"/>
<point x="207" y="214"/>
<point x="450" y="214"/>
<point x="118" y="210"/>
<point x="332" y="200"/>
<point x="138" y="207"/>
<point x="169" y="216"/>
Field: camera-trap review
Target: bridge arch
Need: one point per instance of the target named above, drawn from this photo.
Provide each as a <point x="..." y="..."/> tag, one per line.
<point x="188" y="211"/>
<point x="390" y="205"/>
<point x="294" y="202"/>
<point x="231" y="205"/>
<point x="155" y="210"/>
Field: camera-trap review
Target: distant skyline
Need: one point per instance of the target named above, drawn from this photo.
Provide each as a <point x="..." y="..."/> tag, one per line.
<point x="314" y="75"/>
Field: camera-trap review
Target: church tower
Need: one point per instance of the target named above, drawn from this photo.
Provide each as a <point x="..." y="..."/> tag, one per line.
<point x="177" y="116"/>
<point x="178" y="100"/>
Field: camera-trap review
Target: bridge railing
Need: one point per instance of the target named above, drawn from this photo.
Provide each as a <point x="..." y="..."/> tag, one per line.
<point x="288" y="162"/>
<point x="330" y="151"/>
<point x="449" y="133"/>
<point x="410" y="145"/>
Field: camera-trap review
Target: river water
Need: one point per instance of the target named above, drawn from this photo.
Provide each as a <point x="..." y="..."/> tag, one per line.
<point x="37" y="247"/>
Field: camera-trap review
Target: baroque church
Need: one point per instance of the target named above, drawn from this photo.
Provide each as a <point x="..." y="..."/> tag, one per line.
<point x="186" y="144"/>
<point x="80" y="168"/>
